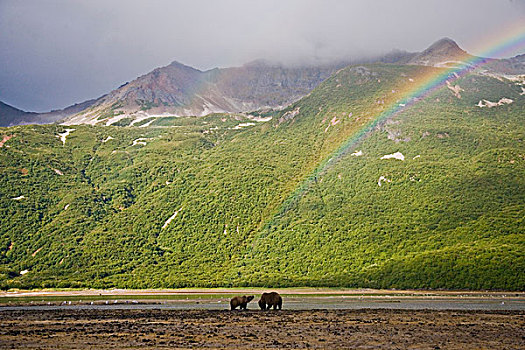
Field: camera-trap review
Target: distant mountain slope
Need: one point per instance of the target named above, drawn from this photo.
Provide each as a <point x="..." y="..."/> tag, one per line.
<point x="10" y="116"/>
<point x="432" y="198"/>
<point x="184" y="91"/>
<point x="60" y="114"/>
<point x="512" y="66"/>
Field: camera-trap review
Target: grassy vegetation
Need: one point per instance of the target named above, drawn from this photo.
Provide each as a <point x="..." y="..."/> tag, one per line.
<point x="450" y="217"/>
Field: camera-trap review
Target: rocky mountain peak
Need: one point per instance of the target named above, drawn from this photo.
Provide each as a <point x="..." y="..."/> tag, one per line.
<point x="443" y="53"/>
<point x="178" y="65"/>
<point x="445" y="46"/>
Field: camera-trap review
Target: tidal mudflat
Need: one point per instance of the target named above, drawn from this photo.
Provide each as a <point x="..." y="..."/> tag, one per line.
<point x="252" y="329"/>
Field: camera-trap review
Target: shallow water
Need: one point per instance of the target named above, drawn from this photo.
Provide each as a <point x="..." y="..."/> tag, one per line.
<point x="300" y="303"/>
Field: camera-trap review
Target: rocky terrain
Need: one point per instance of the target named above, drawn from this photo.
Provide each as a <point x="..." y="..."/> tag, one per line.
<point x="180" y="90"/>
<point x="443" y="53"/>
<point x="184" y="91"/>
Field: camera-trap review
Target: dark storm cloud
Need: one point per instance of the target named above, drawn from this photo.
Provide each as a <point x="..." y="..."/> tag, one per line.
<point x="57" y="52"/>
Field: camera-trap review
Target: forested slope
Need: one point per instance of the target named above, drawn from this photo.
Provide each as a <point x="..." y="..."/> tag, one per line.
<point x="225" y="201"/>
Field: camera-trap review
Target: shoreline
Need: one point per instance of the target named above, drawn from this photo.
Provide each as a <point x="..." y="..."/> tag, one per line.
<point x="239" y="291"/>
<point x="300" y="297"/>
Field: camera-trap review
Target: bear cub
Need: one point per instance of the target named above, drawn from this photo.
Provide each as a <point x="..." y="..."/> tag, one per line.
<point x="240" y="301"/>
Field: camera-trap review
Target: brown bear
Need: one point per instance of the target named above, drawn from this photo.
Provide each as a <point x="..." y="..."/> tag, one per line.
<point x="271" y="299"/>
<point x="240" y="301"/>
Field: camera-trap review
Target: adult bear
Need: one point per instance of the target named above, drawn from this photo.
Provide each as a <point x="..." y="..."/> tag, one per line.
<point x="240" y="301"/>
<point x="271" y="299"/>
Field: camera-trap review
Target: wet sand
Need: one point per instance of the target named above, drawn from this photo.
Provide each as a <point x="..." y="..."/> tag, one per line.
<point x="213" y="329"/>
<point x="302" y="302"/>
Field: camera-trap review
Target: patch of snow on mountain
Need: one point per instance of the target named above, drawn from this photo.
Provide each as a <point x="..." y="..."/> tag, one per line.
<point x="455" y="88"/>
<point x="242" y="125"/>
<point x="397" y="155"/>
<point x="489" y="104"/>
<point x="115" y="119"/>
<point x="259" y="119"/>
<point x="332" y="122"/>
<point x="63" y="135"/>
<point x="171" y="218"/>
<point x="140" y="141"/>
<point x="140" y="116"/>
<point x="381" y="180"/>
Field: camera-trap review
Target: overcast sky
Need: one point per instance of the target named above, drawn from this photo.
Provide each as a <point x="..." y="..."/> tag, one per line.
<point x="54" y="53"/>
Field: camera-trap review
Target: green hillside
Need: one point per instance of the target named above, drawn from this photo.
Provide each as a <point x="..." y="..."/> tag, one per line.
<point x="95" y="211"/>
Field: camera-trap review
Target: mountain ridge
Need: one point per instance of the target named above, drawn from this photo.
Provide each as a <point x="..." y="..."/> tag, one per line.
<point x="259" y="84"/>
<point x="181" y="90"/>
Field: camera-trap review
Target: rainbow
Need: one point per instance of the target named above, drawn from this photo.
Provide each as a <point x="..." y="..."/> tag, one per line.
<point x="513" y="41"/>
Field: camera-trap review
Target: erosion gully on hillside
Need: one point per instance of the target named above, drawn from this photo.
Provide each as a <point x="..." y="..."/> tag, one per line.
<point x="357" y="329"/>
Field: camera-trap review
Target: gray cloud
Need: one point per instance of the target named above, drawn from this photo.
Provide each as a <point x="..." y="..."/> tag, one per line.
<point x="57" y="52"/>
